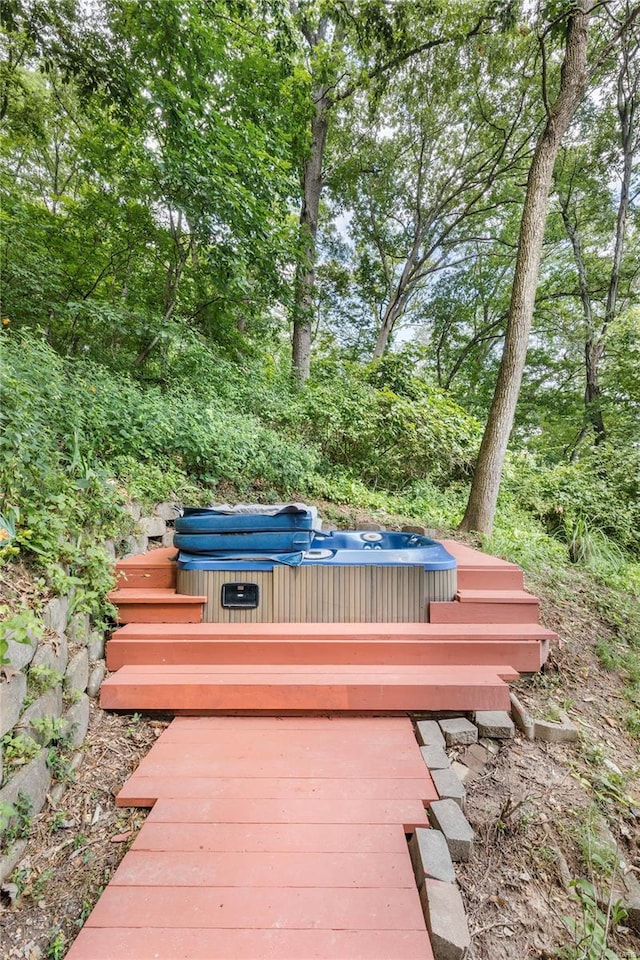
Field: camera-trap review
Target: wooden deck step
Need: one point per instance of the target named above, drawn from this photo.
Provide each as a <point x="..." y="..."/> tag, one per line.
<point x="157" y="605"/>
<point x="246" y="874"/>
<point x="155" y="569"/>
<point x="481" y="571"/>
<point x="282" y="688"/>
<point x="486" y="606"/>
<point x="524" y="649"/>
<point x="496" y="596"/>
<point x="347" y="632"/>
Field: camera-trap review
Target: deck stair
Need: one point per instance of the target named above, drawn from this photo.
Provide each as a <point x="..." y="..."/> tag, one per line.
<point x="167" y="659"/>
<point x="270" y="838"/>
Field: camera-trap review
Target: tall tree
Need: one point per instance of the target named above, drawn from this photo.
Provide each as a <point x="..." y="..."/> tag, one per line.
<point x="346" y="48"/>
<point x="559" y="113"/>
<point x="586" y="221"/>
<point x="439" y="164"/>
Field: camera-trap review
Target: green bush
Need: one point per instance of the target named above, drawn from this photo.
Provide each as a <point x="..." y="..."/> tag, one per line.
<point x="386" y="438"/>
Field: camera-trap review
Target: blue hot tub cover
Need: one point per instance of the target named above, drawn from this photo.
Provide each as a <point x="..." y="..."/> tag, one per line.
<point x="247" y="518"/>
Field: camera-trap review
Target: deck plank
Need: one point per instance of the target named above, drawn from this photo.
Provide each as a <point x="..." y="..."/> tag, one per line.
<point x="281" y="862"/>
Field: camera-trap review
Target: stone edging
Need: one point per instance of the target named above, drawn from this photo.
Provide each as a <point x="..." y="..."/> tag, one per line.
<point x="450" y="838"/>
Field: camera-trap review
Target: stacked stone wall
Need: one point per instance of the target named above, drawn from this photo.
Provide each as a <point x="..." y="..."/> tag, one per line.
<point x="46" y="693"/>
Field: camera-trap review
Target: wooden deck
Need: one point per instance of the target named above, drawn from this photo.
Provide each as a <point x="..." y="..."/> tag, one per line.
<point x="167" y="659"/>
<point x="270" y="839"/>
<point x="281" y="833"/>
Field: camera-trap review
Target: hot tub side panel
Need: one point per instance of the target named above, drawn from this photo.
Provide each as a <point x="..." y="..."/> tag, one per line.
<point x="209" y="583"/>
<point x="325" y="594"/>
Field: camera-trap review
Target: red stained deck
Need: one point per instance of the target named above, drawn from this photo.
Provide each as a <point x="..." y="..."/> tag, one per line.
<point x="297" y="853"/>
<point x="278" y="837"/>
<point x="166" y="659"/>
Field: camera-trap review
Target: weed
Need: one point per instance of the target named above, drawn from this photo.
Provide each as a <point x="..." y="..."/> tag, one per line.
<point x="598" y="855"/>
<point x="57" y="946"/>
<point x="134" y="724"/>
<point x="21" y="627"/>
<point x="51" y="729"/>
<point x="15" y="820"/>
<point x="39" y="884"/>
<point x="80" y="840"/>
<point x="42" y="678"/>
<point x="591" y="930"/>
<point x="607" y="785"/>
<point x="59" y="762"/>
<point x="20" y="877"/>
<point x="59" y="821"/>
<point x="19" y="749"/>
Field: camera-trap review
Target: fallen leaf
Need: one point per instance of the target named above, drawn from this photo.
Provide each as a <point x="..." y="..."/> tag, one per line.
<point x="611" y="721"/>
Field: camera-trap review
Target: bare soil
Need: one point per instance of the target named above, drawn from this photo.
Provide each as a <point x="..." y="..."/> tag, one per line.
<point x="537" y="809"/>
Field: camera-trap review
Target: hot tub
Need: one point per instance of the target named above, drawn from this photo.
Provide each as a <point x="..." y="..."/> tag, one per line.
<point x="343" y="576"/>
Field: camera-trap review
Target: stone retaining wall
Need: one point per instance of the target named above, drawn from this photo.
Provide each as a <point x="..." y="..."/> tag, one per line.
<point x="45" y="696"/>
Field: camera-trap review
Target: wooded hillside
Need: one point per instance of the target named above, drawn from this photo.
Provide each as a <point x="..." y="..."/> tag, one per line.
<point x="383" y="257"/>
<point x="279" y="249"/>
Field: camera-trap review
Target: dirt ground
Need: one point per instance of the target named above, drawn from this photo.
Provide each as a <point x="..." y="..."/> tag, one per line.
<point x="536" y="810"/>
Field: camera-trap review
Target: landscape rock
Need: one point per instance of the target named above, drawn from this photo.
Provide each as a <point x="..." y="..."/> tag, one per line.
<point x="429" y="733"/>
<point x="77" y="720"/>
<point x="496" y="724"/>
<point x="12" y="694"/>
<point x="142" y="543"/>
<point x="476" y="757"/>
<point x="414" y="528"/>
<point x="152" y="526"/>
<point x="95" y="646"/>
<point x="167" y="511"/>
<point x="110" y="549"/>
<point x="551" y="731"/>
<point x="134" y="510"/>
<point x="464" y="774"/>
<point x="523" y="719"/>
<point x="430" y="856"/>
<point x="47" y="705"/>
<point x="631" y="901"/>
<point x="79" y="628"/>
<point x="96" y="677"/>
<point x="446" y="920"/>
<point x="77" y="673"/>
<point x="129" y="546"/>
<point x="33" y="781"/>
<point x="52" y="655"/>
<point x="167" y="540"/>
<point x="435" y="758"/>
<point x="55" y="614"/>
<point x="490" y="746"/>
<point x="447" y="816"/>
<point x="458" y="730"/>
<point x="10" y="859"/>
<point x="449" y="786"/>
<point x="20" y="655"/>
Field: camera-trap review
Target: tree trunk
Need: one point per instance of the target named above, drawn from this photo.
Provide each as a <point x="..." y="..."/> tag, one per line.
<point x="305" y="281"/>
<point x="175" y="269"/>
<point x="592" y="345"/>
<point x="483" y="497"/>
<point x="397" y="303"/>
